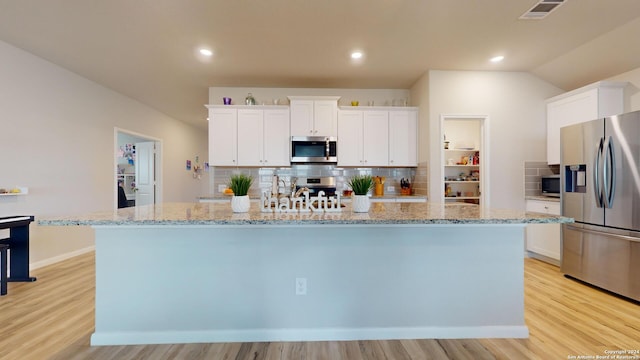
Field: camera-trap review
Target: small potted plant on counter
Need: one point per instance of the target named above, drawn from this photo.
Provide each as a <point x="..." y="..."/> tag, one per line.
<point x="361" y="184"/>
<point x="240" y="184"/>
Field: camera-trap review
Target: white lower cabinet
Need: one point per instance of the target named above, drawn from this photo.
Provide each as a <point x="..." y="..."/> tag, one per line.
<point x="544" y="239"/>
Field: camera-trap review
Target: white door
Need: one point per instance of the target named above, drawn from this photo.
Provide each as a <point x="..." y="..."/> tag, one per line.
<point x="375" y="138"/>
<point x="145" y="173"/>
<point x="223" y="137"/>
<point x="276" y="138"/>
<point x="325" y="118"/>
<point x="350" y="138"/>
<point x="250" y="137"/>
<point x="301" y="117"/>
<point x="403" y="138"/>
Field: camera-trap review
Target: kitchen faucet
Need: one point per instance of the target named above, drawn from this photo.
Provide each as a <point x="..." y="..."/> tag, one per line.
<point x="294" y="180"/>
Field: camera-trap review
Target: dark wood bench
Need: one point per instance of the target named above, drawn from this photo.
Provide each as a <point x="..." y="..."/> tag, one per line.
<point x="17" y="246"/>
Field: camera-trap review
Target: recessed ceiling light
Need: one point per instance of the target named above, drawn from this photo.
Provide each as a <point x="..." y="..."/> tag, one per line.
<point x="497" y="59"/>
<point x="356" y="55"/>
<point x="206" y="52"/>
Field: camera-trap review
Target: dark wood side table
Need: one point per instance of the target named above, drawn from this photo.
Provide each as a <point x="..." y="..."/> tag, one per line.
<point x="18" y="242"/>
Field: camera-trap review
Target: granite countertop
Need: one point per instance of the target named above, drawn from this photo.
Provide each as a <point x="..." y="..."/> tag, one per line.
<point x="374" y="198"/>
<point x="380" y="213"/>
<point x="542" y="198"/>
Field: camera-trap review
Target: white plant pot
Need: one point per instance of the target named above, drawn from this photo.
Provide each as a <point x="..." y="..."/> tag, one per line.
<point x="360" y="203"/>
<point x="240" y="204"/>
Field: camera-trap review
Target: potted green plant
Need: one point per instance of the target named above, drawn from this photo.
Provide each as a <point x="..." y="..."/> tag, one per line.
<point x="240" y="184"/>
<point x="361" y="184"/>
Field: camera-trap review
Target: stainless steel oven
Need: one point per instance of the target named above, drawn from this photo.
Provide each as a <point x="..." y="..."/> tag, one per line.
<point x="314" y="149"/>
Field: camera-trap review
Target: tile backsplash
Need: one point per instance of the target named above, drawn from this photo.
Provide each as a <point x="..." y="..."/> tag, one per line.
<point x="533" y="171"/>
<point x="263" y="176"/>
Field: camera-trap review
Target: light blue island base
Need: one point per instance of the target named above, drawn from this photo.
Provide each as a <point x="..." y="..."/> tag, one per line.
<point x="228" y="283"/>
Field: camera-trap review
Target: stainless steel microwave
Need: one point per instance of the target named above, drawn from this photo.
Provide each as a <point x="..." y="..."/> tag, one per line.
<point x="551" y="185"/>
<point x="314" y="149"/>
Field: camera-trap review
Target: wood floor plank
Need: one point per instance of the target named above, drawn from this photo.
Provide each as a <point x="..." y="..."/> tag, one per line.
<point x="432" y="349"/>
<point x="53" y="318"/>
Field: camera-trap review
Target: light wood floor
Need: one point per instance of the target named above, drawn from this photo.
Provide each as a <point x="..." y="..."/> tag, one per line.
<point x="53" y="319"/>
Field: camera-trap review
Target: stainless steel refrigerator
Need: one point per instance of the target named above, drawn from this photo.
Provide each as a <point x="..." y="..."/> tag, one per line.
<point x="600" y="178"/>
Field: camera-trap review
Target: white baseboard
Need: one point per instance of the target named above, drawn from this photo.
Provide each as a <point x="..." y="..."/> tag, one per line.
<point x="65" y="256"/>
<point x="322" y="334"/>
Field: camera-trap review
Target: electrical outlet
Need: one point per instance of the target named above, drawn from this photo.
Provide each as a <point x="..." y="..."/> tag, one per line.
<point x="221" y="187"/>
<point x="390" y="188"/>
<point x="301" y="286"/>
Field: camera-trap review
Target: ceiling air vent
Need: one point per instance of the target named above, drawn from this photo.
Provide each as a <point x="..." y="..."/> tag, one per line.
<point x="542" y="9"/>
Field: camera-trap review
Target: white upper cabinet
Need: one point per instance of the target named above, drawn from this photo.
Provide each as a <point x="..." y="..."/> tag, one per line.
<point x="403" y="138"/>
<point x="223" y="133"/>
<point x="584" y="104"/>
<point x="249" y="137"/>
<point x="377" y="137"/>
<point x="314" y="116"/>
<point x="277" y="141"/>
<point x="350" y="138"/>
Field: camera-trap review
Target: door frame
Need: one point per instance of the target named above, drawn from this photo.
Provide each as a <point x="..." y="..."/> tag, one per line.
<point x="484" y="154"/>
<point x="157" y="158"/>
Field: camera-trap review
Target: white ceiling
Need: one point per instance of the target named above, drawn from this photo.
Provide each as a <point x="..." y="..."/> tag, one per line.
<point x="147" y="49"/>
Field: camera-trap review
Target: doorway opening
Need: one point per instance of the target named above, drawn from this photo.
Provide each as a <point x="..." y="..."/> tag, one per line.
<point x="137" y="169"/>
<point x="464" y="159"/>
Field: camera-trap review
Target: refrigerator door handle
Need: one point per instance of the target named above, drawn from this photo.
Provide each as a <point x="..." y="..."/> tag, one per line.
<point x="597" y="187"/>
<point x="609" y="174"/>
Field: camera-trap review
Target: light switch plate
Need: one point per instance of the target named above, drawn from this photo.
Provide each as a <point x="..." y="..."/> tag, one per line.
<point x="221" y="188"/>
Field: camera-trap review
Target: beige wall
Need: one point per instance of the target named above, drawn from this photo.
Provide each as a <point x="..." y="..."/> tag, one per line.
<point x="420" y="98"/>
<point x="57" y="139"/>
<point x="515" y="104"/>
<point x="631" y="91"/>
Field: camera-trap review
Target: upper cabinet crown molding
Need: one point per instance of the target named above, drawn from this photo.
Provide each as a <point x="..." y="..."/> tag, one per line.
<point x="382" y="108"/>
<point x="595" y="85"/>
<point x="332" y="98"/>
<point x="251" y="107"/>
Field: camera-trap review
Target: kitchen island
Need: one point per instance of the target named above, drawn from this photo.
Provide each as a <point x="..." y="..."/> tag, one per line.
<point x="196" y="272"/>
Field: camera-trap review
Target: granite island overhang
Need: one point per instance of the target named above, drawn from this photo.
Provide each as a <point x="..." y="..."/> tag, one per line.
<point x="196" y="272"/>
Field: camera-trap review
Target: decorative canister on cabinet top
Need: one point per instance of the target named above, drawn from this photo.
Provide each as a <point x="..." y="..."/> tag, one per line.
<point x="249" y="100"/>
